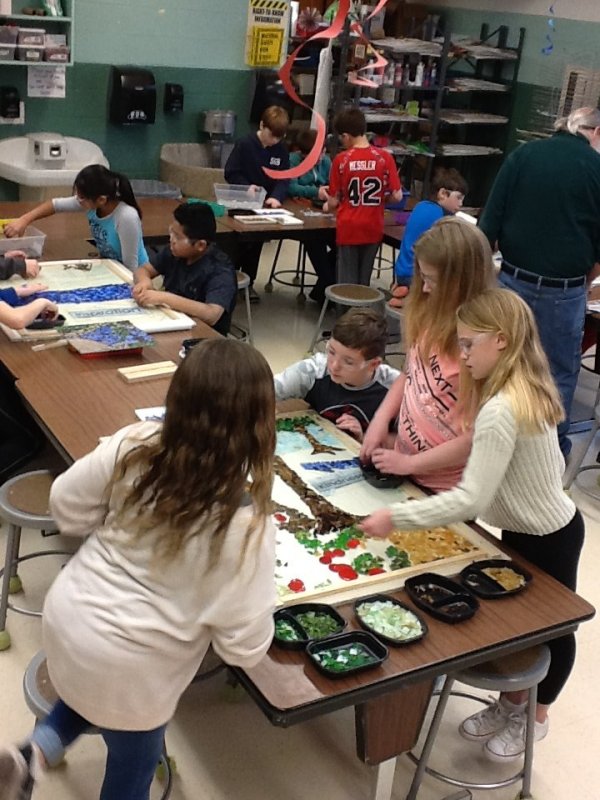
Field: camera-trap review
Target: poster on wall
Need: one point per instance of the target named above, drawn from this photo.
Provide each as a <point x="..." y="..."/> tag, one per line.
<point x="46" y="81"/>
<point x="267" y="32"/>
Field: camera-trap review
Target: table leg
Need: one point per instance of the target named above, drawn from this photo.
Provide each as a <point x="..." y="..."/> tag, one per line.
<point x="384" y="779"/>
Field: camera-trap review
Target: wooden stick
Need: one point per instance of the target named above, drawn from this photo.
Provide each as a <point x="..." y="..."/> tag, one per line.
<point x="49" y="345"/>
<point x="159" y="369"/>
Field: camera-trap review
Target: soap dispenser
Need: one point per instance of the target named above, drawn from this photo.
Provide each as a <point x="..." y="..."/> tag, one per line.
<point x="10" y="102"/>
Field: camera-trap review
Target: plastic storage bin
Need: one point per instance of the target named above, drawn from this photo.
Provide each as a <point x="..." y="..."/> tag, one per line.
<point x="8" y="34"/>
<point x="7" y="51"/>
<point x="32" y="243"/>
<point x="31" y="36"/>
<point x="232" y="195"/>
<point x="30" y="52"/>
<point x="149" y="188"/>
<point x="56" y="53"/>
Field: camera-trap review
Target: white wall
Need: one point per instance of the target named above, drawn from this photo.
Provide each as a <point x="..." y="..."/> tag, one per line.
<point x="585" y="10"/>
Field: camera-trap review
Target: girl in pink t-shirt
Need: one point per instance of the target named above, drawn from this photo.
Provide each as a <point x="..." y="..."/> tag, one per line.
<point x="453" y="263"/>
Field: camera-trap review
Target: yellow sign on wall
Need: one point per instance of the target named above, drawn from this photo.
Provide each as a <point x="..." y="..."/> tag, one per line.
<point x="268" y="25"/>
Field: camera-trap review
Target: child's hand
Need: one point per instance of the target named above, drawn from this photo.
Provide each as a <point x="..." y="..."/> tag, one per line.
<point x="349" y="423"/>
<point x="148" y="297"/>
<point x="140" y="286"/>
<point x="323" y="192"/>
<point x="391" y="461"/>
<point x="15" y="254"/>
<point x="15" y="228"/>
<point x="373" y="438"/>
<point x="272" y="202"/>
<point x="50" y="310"/>
<point x="593" y="292"/>
<point x="379" y="524"/>
<point x="28" y="289"/>
<point x="32" y="268"/>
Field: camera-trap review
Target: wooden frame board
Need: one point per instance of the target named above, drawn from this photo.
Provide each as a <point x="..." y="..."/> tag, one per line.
<point x="329" y="480"/>
<point x="68" y="275"/>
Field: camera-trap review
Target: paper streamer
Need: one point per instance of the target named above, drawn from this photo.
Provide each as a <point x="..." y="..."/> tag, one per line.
<point x="549" y="46"/>
<point x="379" y="63"/>
<point x="285" y="73"/>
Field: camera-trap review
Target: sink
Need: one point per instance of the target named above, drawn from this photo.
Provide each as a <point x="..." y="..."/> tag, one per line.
<point x="18" y="164"/>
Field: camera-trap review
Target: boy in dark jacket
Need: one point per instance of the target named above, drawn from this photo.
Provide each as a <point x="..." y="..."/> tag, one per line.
<point x="245" y="167"/>
<point x="199" y="279"/>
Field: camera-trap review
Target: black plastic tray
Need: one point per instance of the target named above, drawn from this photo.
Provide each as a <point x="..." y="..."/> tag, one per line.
<point x="301" y="608"/>
<point x="441" y="597"/>
<point x="484" y="586"/>
<point x="375" y="648"/>
<point x="43" y="323"/>
<point x="378" y="479"/>
<point x="385" y="598"/>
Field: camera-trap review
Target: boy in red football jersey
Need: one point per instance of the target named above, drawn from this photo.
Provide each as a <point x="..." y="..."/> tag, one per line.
<point x="361" y="178"/>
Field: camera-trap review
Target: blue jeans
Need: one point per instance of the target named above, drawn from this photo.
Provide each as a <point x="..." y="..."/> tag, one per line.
<point x="132" y="755"/>
<point x="560" y="315"/>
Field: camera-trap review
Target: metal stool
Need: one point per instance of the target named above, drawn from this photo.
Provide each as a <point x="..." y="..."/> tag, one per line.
<point x="575" y="469"/>
<point x="41" y="697"/>
<point x="513" y="673"/>
<point x="347" y="294"/>
<point x="24" y="503"/>
<point x="299" y="273"/>
<point x="243" y="284"/>
<point x="380" y="259"/>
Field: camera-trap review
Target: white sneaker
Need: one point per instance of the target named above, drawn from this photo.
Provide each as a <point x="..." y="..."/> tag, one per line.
<point x="489" y="721"/>
<point x="509" y="744"/>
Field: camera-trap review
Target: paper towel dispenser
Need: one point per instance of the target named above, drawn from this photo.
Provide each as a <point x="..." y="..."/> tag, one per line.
<point x="132" y="99"/>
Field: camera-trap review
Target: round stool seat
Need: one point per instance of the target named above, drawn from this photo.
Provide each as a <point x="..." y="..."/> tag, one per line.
<point x="41" y="697"/>
<point x="37" y="687"/>
<point x="243" y="280"/>
<point x="25" y="500"/>
<point x="350" y="294"/>
<point x="512" y="673"/>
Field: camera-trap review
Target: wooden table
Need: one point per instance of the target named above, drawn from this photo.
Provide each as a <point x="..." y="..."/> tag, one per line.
<point x="390" y="701"/>
<point x="77" y="400"/>
<point x="156" y="218"/>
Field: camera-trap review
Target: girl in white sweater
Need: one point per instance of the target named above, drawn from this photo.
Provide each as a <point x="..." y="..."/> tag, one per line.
<point x="513" y="480"/>
<point x="179" y="555"/>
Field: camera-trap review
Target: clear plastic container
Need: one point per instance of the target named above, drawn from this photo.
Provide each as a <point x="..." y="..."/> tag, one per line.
<point x="151" y="188"/>
<point x="31" y="36"/>
<point x="30" y="52"/>
<point x="58" y="53"/>
<point x="9" y="34"/>
<point x="231" y="195"/>
<point x="32" y="243"/>
<point x="7" y="51"/>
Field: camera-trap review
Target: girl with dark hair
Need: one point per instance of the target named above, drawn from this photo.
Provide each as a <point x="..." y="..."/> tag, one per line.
<point x="178" y="554"/>
<point x="112" y="211"/>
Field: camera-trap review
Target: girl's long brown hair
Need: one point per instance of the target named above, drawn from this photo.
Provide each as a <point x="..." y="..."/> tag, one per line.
<point x="462" y="256"/>
<point x="219" y="430"/>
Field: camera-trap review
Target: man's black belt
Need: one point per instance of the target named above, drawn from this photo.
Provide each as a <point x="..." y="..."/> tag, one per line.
<point x="541" y="280"/>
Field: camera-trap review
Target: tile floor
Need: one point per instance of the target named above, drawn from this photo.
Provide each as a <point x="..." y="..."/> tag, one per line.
<point x="225" y="748"/>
